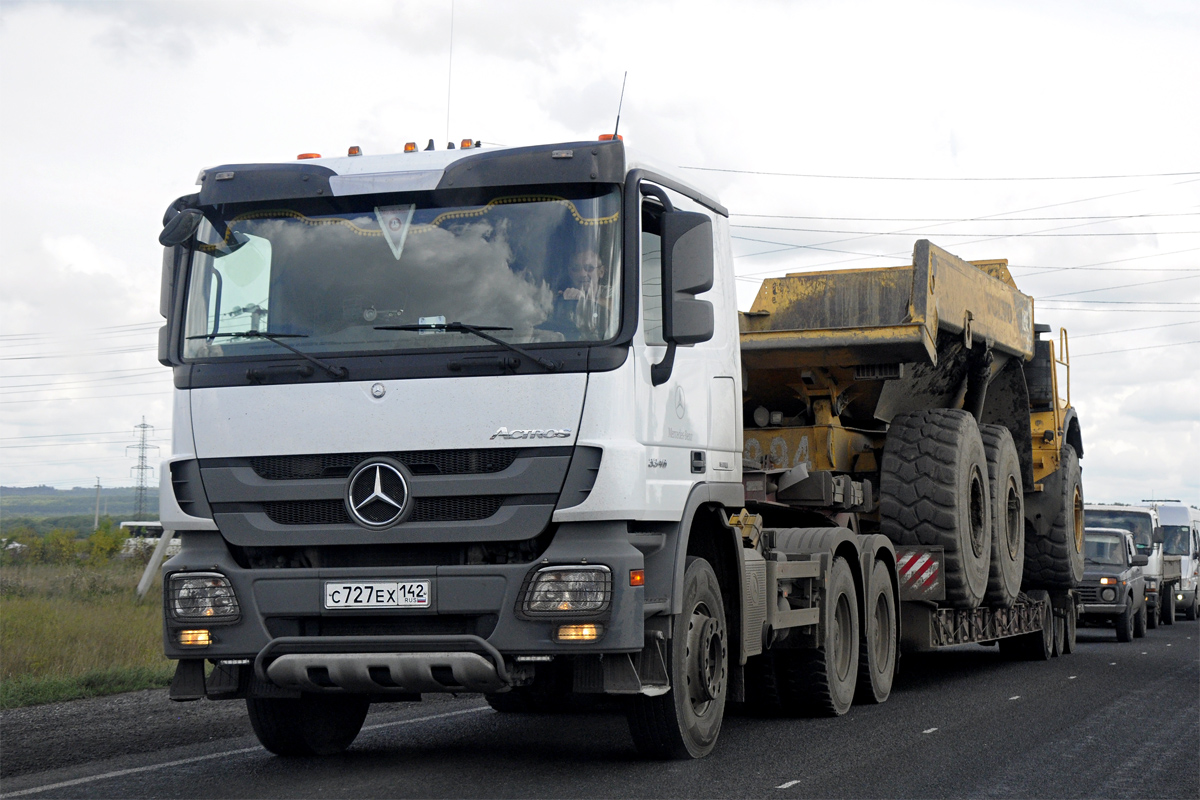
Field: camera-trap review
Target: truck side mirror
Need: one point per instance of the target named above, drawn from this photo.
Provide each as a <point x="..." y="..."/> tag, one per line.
<point x="180" y="227"/>
<point x="1158" y="534"/>
<point x="1141" y="560"/>
<point x="687" y="267"/>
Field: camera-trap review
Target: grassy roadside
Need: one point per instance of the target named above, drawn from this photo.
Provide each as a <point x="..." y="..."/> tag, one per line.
<point x="68" y="632"/>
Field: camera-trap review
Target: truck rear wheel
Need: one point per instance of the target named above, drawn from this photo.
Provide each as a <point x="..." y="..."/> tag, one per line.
<point x="1037" y="645"/>
<point x="1124" y="622"/>
<point x="823" y="680"/>
<point x="934" y="491"/>
<point x="1064" y="606"/>
<point x="1191" y="613"/>
<point x="1151" y="616"/>
<point x="684" y="722"/>
<point x="309" y="725"/>
<point x="877" y="649"/>
<point x="1168" y="605"/>
<point x="1055" y="560"/>
<point x="1008" y="516"/>
<point x="763" y="694"/>
<point x="1139" y="623"/>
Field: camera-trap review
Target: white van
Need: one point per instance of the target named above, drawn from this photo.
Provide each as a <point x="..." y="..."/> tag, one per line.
<point x="1181" y="537"/>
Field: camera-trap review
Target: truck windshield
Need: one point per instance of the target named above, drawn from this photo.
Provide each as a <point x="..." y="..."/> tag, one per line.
<point x="1104" y="548"/>
<point x="1139" y="524"/>
<point x="1175" y="540"/>
<point x="531" y="268"/>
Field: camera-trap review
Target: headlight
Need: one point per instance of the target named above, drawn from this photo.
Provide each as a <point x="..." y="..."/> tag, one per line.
<point x="1108" y="595"/>
<point x="568" y="590"/>
<point x="202" y="596"/>
<point x="1106" y="581"/>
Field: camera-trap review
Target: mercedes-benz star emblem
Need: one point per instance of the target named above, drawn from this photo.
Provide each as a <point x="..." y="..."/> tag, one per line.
<point x="377" y="494"/>
<point x="680" y="404"/>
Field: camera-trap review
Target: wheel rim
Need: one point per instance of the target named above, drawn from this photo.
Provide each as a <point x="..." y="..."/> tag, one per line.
<point x="841" y="644"/>
<point x="880" y="639"/>
<point x="1078" y="520"/>
<point x="978" y="531"/>
<point x="706" y="670"/>
<point x="1014" y="522"/>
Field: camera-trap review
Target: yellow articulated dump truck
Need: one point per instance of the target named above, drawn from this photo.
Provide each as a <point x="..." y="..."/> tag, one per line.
<point x="924" y="402"/>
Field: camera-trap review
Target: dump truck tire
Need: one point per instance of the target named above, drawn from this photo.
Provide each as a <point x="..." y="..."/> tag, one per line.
<point x="934" y="492"/>
<point x="309" y="725"/>
<point x="1008" y="516"/>
<point x="684" y="722"/>
<point x="1055" y="561"/>
<point x="822" y="681"/>
<point x="877" y="648"/>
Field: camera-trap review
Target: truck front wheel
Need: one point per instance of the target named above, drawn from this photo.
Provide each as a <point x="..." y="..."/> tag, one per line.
<point x="1168" y="606"/>
<point x="684" y="722"/>
<point x="309" y="725"/>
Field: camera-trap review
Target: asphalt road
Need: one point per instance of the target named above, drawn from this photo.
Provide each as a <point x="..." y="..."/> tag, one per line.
<point x="1111" y="720"/>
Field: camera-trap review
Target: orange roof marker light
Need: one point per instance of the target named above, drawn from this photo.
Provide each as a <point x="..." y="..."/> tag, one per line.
<point x="467" y="143"/>
<point x="608" y="137"/>
<point x="303" y="156"/>
<point x="410" y="147"/>
<point x="354" y="151"/>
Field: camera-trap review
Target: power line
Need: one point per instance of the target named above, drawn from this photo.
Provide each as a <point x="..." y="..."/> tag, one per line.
<point x="1131" y="330"/>
<point x="1132" y="349"/>
<point x="1122" y="310"/>
<point x="962" y="219"/>
<point x="81" y="354"/>
<point x="1122" y="286"/>
<point x="938" y="179"/>
<point x="60" y="435"/>
<point x="95" y="397"/>
<point x="946" y="233"/>
<point x="71" y="444"/>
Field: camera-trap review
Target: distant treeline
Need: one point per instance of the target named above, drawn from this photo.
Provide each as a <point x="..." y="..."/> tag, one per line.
<point x="79" y="525"/>
<point x="46" y="501"/>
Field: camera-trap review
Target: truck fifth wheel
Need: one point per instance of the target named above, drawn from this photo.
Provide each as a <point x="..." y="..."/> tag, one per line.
<point x="488" y="420"/>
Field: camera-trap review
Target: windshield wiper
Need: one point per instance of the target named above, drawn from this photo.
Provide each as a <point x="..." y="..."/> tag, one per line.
<point x="478" y="330"/>
<point x="337" y="372"/>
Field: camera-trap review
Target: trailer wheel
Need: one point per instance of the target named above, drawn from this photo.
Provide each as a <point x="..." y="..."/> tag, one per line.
<point x="1139" y="623"/>
<point x="684" y="722"/>
<point x="877" y="649"/>
<point x="1168" y="606"/>
<point x="934" y="491"/>
<point x="1055" y="561"/>
<point x="823" y="680"/>
<point x="309" y="725"/>
<point x="1064" y="605"/>
<point x="1124" y="622"/>
<point x="1151" y="616"/>
<point x="1038" y="645"/>
<point x="1008" y="516"/>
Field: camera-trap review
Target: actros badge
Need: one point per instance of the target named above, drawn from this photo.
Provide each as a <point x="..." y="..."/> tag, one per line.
<point x="377" y="494"/>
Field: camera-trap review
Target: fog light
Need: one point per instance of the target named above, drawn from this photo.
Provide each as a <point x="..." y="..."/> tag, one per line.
<point x="1108" y="595"/>
<point x="568" y="590"/>
<point x="200" y="638"/>
<point x="579" y="633"/>
<point x="1179" y="597"/>
<point x="205" y="596"/>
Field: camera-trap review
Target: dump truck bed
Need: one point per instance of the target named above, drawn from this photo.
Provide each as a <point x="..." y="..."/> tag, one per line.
<point x="886" y="316"/>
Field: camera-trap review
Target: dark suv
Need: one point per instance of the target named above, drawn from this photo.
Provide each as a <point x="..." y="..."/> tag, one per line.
<point x="1113" y="587"/>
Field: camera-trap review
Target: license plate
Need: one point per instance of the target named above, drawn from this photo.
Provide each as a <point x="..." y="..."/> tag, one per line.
<point x="377" y="594"/>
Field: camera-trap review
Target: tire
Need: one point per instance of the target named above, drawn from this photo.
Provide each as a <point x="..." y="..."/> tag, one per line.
<point x="1055" y="560"/>
<point x="1060" y="634"/>
<point x="877" y="647"/>
<point x="934" y="492"/>
<point x="1038" y="645"/>
<point x="1168" y="605"/>
<point x="685" y="722"/>
<point x="1139" y="623"/>
<point x="1152" y="618"/>
<point x="822" y="681"/>
<point x="310" y="725"/>
<point x="1191" y="613"/>
<point x="1007" y="495"/>
<point x="1064" y="607"/>
<point x="1124" y="622"/>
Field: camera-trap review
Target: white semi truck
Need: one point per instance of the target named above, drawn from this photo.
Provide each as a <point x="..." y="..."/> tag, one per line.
<point x="488" y="420"/>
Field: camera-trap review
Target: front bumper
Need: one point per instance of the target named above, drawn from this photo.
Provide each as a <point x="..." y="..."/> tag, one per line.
<point x="1101" y="609"/>
<point x="466" y="639"/>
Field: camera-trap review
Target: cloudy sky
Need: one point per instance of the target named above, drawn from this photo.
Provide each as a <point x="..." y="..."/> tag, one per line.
<point x="1060" y="135"/>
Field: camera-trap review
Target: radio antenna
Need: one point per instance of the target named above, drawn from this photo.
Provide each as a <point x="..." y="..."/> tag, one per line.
<point x="620" y="103"/>
<point x="450" y="71"/>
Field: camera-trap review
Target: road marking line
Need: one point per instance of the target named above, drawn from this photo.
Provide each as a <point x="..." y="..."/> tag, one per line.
<point x="1143" y="652"/>
<point x="167" y="764"/>
<point x="931" y="730"/>
<point x="1015" y="697"/>
<point x="1071" y="678"/>
<point x="787" y="785"/>
<point x="1112" y="663"/>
